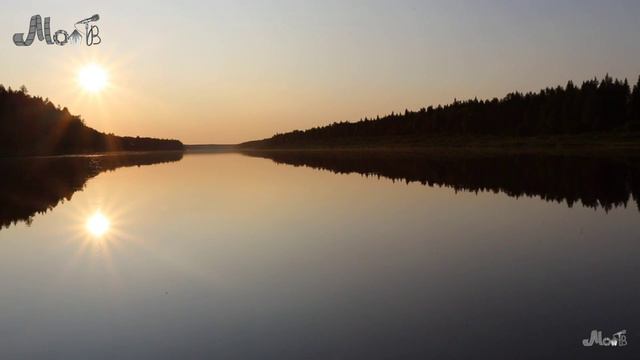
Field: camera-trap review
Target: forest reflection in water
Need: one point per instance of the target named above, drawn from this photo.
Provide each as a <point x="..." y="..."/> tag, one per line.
<point x="593" y="181"/>
<point x="29" y="186"/>
<point x="35" y="185"/>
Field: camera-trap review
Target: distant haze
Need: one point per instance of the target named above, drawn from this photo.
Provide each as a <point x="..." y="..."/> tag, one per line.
<point x="231" y="71"/>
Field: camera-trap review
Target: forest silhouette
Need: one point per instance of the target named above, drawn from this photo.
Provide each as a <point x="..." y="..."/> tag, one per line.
<point x="35" y="126"/>
<point x="595" y="182"/>
<point x="597" y="106"/>
<point x="29" y="186"/>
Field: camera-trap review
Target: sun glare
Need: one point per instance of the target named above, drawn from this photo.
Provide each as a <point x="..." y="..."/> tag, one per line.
<point x="98" y="225"/>
<point x="92" y="78"/>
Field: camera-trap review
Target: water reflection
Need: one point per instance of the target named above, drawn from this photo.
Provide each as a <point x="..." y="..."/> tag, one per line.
<point x="98" y="224"/>
<point x="596" y="182"/>
<point x="235" y="257"/>
<point x="36" y="185"/>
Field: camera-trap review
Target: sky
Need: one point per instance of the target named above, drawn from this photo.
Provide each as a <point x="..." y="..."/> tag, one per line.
<point x="238" y="70"/>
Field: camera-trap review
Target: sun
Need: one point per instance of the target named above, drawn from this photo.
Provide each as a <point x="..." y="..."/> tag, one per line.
<point x="98" y="224"/>
<point x="93" y="78"/>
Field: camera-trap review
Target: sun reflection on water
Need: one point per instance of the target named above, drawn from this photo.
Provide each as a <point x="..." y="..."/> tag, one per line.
<point x="95" y="234"/>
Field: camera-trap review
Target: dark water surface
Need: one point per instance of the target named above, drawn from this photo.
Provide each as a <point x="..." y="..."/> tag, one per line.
<point x="340" y="256"/>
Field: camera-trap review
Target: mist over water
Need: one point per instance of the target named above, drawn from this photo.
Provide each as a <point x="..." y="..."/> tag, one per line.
<point x="270" y="256"/>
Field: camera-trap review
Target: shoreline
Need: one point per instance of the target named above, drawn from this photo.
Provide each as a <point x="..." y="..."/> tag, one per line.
<point x="628" y="143"/>
<point x="93" y="154"/>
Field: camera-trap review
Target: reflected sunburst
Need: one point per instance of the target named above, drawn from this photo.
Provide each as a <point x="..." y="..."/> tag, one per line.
<point x="98" y="225"/>
<point x="96" y="232"/>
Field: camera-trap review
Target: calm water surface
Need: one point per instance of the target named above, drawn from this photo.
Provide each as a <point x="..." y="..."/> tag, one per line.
<point x="231" y="256"/>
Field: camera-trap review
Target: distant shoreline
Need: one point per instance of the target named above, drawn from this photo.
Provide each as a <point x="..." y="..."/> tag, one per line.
<point x="612" y="143"/>
<point x="209" y="147"/>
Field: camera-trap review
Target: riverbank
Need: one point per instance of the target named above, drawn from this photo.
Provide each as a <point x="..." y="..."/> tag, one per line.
<point x="623" y="142"/>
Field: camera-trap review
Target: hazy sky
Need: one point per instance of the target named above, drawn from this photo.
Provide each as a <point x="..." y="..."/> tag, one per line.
<point x="230" y="71"/>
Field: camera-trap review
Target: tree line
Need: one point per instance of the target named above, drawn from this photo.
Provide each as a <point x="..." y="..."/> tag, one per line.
<point x="35" y="126"/>
<point x="595" y="106"/>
